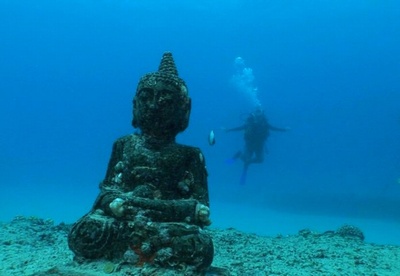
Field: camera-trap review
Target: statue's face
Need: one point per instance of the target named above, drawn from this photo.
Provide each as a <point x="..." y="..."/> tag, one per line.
<point x="161" y="109"/>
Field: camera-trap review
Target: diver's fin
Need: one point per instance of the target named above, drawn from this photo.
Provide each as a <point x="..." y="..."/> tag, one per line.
<point x="234" y="158"/>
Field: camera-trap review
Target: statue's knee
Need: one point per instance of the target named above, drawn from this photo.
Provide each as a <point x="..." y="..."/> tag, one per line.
<point x="195" y="250"/>
<point x="95" y="236"/>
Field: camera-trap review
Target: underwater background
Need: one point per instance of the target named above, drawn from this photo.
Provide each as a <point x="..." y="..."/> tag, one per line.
<point x="329" y="70"/>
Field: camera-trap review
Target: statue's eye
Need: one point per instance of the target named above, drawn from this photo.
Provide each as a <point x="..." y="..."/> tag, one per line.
<point x="165" y="96"/>
<point x="146" y="92"/>
<point x="168" y="100"/>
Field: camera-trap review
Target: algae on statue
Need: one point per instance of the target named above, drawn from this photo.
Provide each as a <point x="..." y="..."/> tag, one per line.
<point x="154" y="198"/>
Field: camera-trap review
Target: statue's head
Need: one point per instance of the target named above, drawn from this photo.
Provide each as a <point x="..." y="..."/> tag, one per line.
<point x="161" y="106"/>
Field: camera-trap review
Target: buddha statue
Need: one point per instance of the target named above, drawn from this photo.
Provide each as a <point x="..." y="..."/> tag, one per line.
<point x="154" y="198"/>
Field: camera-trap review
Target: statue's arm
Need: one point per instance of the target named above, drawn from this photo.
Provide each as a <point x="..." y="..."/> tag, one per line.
<point x="197" y="167"/>
<point x="117" y="154"/>
<point x="115" y="201"/>
<point x="127" y="206"/>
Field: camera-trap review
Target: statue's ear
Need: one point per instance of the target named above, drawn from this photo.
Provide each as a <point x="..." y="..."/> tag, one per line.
<point x="189" y="108"/>
<point x="134" y="119"/>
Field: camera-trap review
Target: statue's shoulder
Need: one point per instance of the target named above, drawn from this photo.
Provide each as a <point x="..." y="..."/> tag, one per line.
<point x="130" y="139"/>
<point x="189" y="151"/>
<point x="187" y="148"/>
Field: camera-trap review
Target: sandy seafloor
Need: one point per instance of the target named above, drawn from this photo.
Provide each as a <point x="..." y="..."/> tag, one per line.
<point x="36" y="246"/>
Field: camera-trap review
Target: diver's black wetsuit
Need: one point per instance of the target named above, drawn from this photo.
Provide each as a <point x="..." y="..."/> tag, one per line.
<point x="256" y="132"/>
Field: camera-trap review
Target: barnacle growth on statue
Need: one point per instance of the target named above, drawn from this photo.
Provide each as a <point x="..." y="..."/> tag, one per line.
<point x="153" y="201"/>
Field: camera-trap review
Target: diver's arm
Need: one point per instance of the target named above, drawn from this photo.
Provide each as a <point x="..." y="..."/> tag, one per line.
<point x="243" y="127"/>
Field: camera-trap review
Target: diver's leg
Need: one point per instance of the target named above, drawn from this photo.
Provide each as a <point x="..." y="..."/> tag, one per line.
<point x="237" y="155"/>
<point x="247" y="160"/>
<point x="247" y="155"/>
<point x="243" y="177"/>
<point x="259" y="156"/>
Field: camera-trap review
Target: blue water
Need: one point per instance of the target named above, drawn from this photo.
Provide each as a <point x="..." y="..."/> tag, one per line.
<point x="329" y="70"/>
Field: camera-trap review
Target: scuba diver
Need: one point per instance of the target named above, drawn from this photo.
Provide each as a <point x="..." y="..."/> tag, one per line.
<point x="256" y="131"/>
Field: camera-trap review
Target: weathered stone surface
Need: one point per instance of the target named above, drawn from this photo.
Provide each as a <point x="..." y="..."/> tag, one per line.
<point x="154" y="200"/>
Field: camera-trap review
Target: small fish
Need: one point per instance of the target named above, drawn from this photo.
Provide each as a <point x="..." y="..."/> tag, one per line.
<point x="211" y="138"/>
